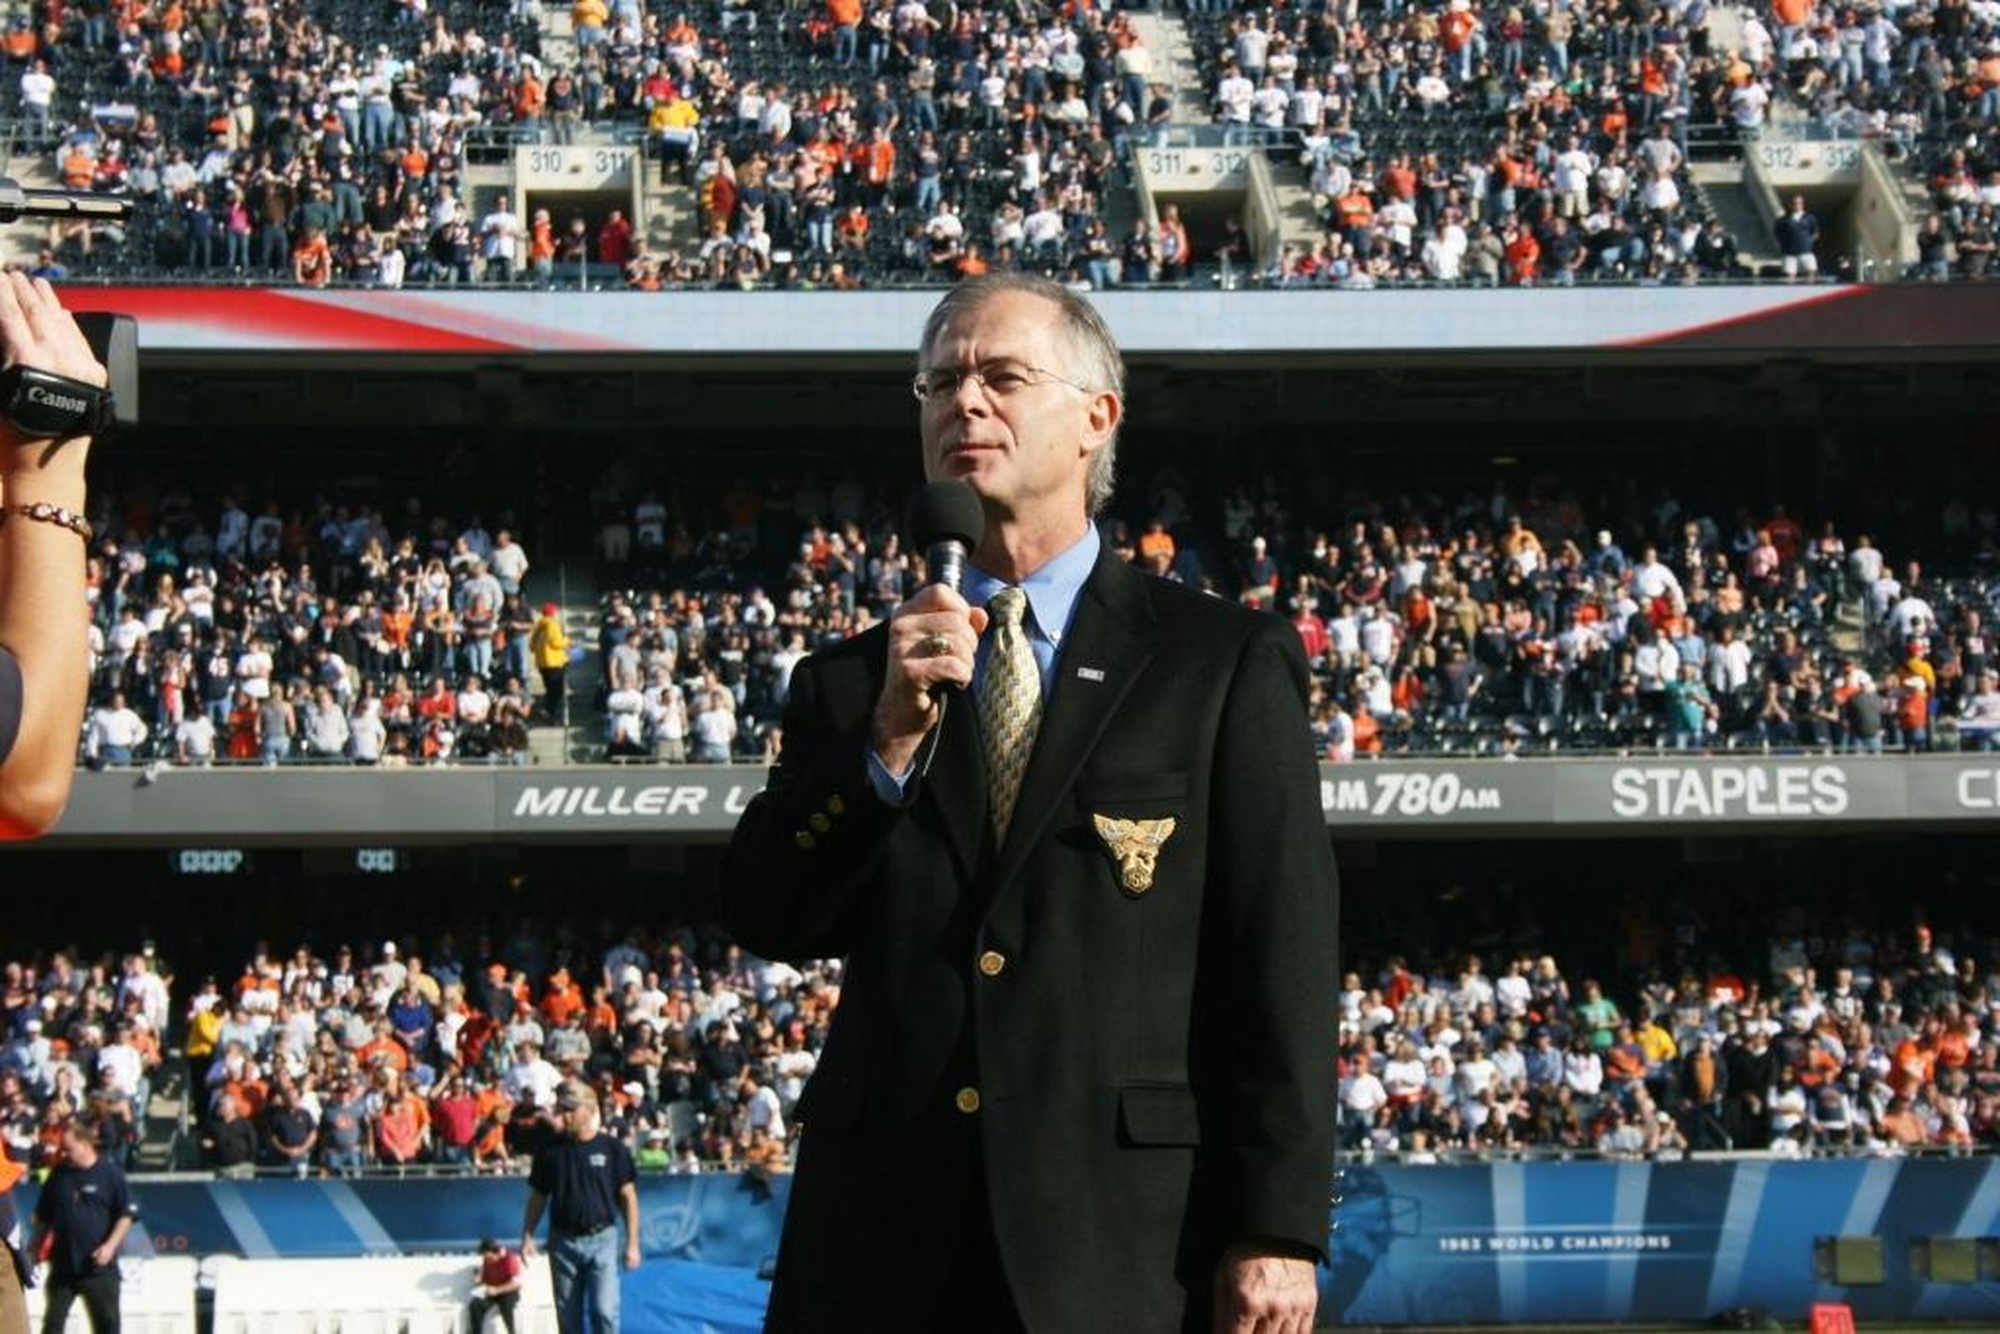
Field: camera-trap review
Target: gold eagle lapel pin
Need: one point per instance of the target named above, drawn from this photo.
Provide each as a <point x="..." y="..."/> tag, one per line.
<point x="1135" y="846"/>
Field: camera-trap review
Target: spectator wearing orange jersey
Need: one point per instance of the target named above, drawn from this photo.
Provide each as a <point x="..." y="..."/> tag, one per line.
<point x="1459" y="30"/>
<point x="845" y="18"/>
<point x="312" y="260"/>
<point x="563" y="998"/>
<point x="529" y="100"/>
<point x="402" y="1123"/>
<point x="20" y="43"/>
<point x="542" y="249"/>
<point x="850" y="230"/>
<point x="382" y="1050"/>
<point x="1523" y="252"/>
<point x="877" y="160"/>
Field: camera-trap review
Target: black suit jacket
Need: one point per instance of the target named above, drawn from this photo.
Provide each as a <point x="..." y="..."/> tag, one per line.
<point x="1154" y="1069"/>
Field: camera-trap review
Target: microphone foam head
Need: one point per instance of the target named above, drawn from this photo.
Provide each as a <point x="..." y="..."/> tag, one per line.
<point x="946" y="512"/>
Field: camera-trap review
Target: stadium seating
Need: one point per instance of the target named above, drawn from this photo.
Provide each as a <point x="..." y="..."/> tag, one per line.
<point x="655" y="594"/>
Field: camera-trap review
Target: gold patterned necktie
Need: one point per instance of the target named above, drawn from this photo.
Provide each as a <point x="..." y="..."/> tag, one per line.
<point x="1010" y="706"/>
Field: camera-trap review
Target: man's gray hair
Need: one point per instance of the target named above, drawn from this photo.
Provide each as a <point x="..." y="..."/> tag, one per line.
<point x="1094" y="357"/>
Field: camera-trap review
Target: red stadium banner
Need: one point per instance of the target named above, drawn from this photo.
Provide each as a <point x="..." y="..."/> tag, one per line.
<point x="1734" y="320"/>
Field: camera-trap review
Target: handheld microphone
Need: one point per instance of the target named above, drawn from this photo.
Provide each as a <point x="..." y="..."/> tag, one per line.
<point x="947" y="521"/>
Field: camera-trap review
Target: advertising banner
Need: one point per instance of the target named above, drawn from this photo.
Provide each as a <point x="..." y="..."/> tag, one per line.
<point x="1691" y="796"/>
<point x="1587" y="1242"/>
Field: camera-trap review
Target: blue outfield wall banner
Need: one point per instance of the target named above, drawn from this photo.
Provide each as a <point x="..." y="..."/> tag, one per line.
<point x="1589" y="1242"/>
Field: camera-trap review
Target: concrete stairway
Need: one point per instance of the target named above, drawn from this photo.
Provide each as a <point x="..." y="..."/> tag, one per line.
<point x="668" y="217"/>
<point x="1722" y="188"/>
<point x="1166" y="38"/>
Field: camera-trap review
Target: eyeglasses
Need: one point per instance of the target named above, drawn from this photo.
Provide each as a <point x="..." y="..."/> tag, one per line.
<point x="996" y="379"/>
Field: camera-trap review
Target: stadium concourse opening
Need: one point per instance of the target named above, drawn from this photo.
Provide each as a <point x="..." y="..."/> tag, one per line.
<point x="1633" y="914"/>
<point x="1828" y="437"/>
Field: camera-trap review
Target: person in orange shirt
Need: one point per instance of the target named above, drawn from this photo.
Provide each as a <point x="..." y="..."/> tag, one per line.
<point x="1955" y="1043"/>
<point x="1398" y="180"/>
<point x="403" y="1128"/>
<point x="877" y="160"/>
<point x="529" y="100"/>
<point x="1791" y="15"/>
<point x="312" y="260"/>
<point x="1456" y="30"/>
<point x="851" y="228"/>
<point x="1915" y="1062"/>
<point x="1524" y="254"/>
<point x="564" y="998"/>
<point x="542" y="248"/>
<point x="845" y="16"/>
<point x="1614" y="122"/>
<point x="1156" y="541"/>
<point x="603" y="1017"/>
<point x="1354" y="211"/>
<point x="1367" y="731"/>
<point x="1913" y="712"/>
<point x="383" y="1049"/>
<point x="79" y="168"/>
<point x="489" y="1140"/>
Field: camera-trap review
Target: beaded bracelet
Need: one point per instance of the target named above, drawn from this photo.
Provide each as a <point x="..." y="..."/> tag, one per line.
<point x="43" y="512"/>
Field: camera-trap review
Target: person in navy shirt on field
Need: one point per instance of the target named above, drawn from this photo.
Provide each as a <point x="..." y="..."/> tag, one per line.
<point x="86" y="1208"/>
<point x="586" y="1180"/>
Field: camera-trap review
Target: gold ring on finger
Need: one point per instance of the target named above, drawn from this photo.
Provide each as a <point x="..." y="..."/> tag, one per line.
<point x="937" y="646"/>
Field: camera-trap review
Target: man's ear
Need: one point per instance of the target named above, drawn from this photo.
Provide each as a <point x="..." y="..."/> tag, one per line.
<point x="1101" y="420"/>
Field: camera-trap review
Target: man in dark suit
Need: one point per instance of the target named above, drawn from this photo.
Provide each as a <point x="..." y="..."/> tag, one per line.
<point x="1066" y="830"/>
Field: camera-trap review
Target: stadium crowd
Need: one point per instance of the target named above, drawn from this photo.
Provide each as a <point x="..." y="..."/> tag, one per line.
<point x="300" y="143"/>
<point x="1462" y="143"/>
<point x="1925" y="80"/>
<point x="1477" y="624"/>
<point x="332" y="147"/>
<point x="1852" y="1039"/>
<point x="332" y="633"/>
<point x="338" y="633"/>
<point x="1858" y="1044"/>
<point x="844" y="143"/>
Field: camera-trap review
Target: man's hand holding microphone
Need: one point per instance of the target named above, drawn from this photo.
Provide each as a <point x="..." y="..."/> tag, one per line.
<point x="934" y="635"/>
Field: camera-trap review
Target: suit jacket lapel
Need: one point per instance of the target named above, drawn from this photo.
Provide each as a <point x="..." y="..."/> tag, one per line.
<point x="955" y="778"/>
<point x="1111" y="638"/>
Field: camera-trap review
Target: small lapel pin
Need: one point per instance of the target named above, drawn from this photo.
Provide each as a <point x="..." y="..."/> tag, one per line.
<point x="1135" y="845"/>
<point x="1090" y="673"/>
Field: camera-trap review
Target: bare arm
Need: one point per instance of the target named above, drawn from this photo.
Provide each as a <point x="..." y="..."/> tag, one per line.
<point x="43" y="618"/>
<point x="628" y="1202"/>
<point x="531" y="1218"/>
<point x="108" y="1252"/>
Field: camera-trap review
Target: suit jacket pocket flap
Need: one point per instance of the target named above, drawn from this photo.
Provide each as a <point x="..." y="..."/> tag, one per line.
<point x="1158" y="1114"/>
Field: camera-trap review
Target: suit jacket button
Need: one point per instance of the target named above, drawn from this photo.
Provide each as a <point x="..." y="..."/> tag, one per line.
<point x="835" y="806"/>
<point x="967" y="1100"/>
<point x="820" y="824"/>
<point x="992" y="963"/>
<point x="804" y="841"/>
